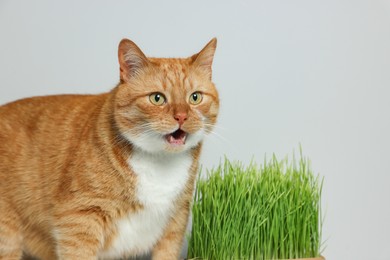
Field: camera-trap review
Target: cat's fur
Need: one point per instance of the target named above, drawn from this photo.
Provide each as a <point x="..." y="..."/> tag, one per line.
<point x="94" y="176"/>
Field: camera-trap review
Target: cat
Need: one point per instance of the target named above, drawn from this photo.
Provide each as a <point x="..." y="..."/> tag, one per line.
<point x="111" y="175"/>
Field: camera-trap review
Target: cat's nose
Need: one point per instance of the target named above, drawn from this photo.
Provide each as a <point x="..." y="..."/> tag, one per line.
<point x="181" y="117"/>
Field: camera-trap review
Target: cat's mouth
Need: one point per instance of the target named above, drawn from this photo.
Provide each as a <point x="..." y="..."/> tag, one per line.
<point x="176" y="138"/>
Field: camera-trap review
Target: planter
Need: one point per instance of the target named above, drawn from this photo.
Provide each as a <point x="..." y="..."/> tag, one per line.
<point x="313" y="258"/>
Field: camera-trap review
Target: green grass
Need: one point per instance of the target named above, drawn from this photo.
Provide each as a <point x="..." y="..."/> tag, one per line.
<point x="271" y="211"/>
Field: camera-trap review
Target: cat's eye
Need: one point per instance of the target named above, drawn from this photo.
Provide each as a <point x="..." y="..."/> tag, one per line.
<point x="157" y="99"/>
<point x="196" y="98"/>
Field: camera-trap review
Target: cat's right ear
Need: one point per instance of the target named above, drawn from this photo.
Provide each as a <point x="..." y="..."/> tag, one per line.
<point x="131" y="59"/>
<point x="204" y="58"/>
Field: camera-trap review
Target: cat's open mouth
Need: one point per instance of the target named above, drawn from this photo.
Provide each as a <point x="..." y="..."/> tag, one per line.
<point x="177" y="138"/>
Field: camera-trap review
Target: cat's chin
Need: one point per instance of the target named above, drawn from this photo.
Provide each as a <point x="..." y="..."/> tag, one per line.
<point x="175" y="142"/>
<point x="180" y="140"/>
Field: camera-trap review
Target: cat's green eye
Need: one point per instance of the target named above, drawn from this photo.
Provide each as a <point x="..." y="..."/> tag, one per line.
<point x="157" y="99"/>
<point x="196" y="98"/>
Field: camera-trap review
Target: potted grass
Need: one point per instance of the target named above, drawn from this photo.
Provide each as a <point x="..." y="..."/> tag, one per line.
<point x="271" y="211"/>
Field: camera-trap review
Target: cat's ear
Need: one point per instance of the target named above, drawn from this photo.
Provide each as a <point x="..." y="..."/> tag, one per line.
<point x="131" y="59"/>
<point x="204" y="59"/>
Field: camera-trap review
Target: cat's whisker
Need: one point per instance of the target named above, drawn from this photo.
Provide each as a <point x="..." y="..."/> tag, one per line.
<point x="215" y="134"/>
<point x="210" y="130"/>
<point x="216" y="126"/>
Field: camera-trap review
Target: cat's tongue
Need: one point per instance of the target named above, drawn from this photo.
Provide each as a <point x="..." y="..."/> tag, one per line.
<point x="177" y="138"/>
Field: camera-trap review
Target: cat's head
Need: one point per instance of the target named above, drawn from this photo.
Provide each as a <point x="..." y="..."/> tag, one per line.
<point x="165" y="104"/>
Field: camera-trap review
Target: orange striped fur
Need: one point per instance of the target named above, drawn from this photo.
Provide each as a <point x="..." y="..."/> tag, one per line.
<point x="76" y="171"/>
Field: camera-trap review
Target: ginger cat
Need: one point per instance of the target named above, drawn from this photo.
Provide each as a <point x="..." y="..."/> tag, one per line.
<point x="111" y="175"/>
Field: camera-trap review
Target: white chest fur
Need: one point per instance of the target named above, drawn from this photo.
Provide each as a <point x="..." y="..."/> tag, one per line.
<point x="160" y="178"/>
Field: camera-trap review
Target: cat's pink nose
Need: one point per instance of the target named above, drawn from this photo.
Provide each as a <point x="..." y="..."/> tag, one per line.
<point x="181" y="117"/>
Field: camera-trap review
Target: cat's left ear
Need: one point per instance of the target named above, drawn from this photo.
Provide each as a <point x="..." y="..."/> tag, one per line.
<point x="131" y="59"/>
<point x="204" y="59"/>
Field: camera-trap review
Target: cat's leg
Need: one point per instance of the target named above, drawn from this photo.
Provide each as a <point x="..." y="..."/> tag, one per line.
<point x="10" y="234"/>
<point x="170" y="245"/>
<point x="78" y="235"/>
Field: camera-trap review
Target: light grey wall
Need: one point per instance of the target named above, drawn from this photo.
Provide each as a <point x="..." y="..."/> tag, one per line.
<point x="307" y="71"/>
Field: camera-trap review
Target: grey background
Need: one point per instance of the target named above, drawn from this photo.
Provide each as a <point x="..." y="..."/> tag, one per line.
<point x="309" y="72"/>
